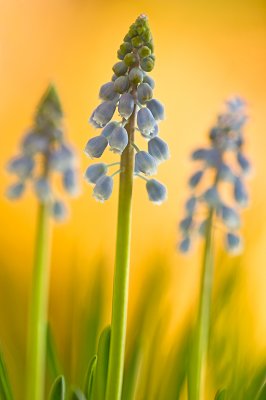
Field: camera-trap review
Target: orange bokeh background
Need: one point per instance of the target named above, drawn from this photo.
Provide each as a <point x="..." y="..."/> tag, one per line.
<point x="205" y="52"/>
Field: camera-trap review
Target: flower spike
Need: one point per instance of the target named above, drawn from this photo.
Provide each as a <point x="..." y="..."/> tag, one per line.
<point x="129" y="92"/>
<point x="44" y="150"/>
<point x="226" y="138"/>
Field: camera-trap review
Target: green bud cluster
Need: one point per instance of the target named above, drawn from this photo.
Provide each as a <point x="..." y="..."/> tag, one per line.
<point x="137" y="47"/>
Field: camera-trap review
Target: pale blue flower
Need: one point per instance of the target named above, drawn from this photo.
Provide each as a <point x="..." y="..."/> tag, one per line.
<point x="156" y="191"/>
<point x="144" y="93"/>
<point x="94" y="172"/>
<point x="22" y="166"/>
<point x="43" y="189"/>
<point x="135" y="75"/>
<point x="103" y="188"/>
<point x="186" y="224"/>
<point x="233" y="243"/>
<point x="230" y="217"/>
<point x="191" y="205"/>
<point x="243" y="162"/>
<point x="108" y="129"/>
<point x="59" y="211"/>
<point x="107" y="92"/>
<point x="156" y="108"/>
<point x="70" y="181"/>
<point x="225" y="173"/>
<point x="185" y="245"/>
<point x="62" y="158"/>
<point x="120" y="68"/>
<point x="147" y="79"/>
<point x="15" y="191"/>
<point x="145" y="163"/>
<point x="118" y="140"/>
<point x="103" y="113"/>
<point x="35" y="142"/>
<point x="96" y="146"/>
<point x="240" y="193"/>
<point x="121" y="84"/>
<point x="211" y="197"/>
<point x="158" y="149"/>
<point x="145" y="121"/>
<point x="195" y="179"/>
<point x="126" y="105"/>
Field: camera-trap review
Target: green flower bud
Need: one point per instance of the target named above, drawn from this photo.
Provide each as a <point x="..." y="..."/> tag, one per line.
<point x="135" y="75"/>
<point x="150" y="45"/>
<point x="132" y="32"/>
<point x="121" y="84"/>
<point x="120" y="68"/>
<point x="136" y="41"/>
<point x="127" y="38"/>
<point x="125" y="48"/>
<point x="120" y="55"/>
<point x="130" y="59"/>
<point x="146" y="36"/>
<point x="144" y="51"/>
<point x="140" y="30"/>
<point x="147" y="64"/>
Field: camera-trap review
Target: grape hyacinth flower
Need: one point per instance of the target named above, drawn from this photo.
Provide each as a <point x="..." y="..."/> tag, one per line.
<point x="226" y="142"/>
<point x="218" y="189"/>
<point x="128" y="114"/>
<point x="44" y="152"/>
<point x="131" y="92"/>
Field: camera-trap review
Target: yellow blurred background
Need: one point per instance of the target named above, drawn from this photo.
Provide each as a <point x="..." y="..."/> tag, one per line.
<point x="205" y="52"/>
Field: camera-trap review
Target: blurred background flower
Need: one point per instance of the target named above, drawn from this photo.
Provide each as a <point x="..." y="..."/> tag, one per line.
<point x="205" y="53"/>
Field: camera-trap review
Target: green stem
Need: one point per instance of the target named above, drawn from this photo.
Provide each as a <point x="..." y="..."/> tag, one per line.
<point x="201" y="336"/>
<point x="38" y="308"/>
<point x="121" y="274"/>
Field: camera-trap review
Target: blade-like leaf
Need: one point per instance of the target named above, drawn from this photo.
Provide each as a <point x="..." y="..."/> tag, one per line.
<point x="100" y="377"/>
<point x="220" y="395"/>
<point x="262" y="392"/>
<point x="52" y="359"/>
<point x="88" y="387"/>
<point x="58" y="390"/>
<point x="77" y="395"/>
<point x="132" y="374"/>
<point x="5" y="388"/>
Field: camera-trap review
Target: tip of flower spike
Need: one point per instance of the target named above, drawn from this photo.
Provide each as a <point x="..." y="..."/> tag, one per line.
<point x="143" y="17"/>
<point x="50" y="97"/>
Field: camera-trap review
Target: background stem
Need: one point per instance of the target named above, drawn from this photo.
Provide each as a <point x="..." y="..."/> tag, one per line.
<point x="201" y="334"/>
<point x="121" y="274"/>
<point x="38" y="308"/>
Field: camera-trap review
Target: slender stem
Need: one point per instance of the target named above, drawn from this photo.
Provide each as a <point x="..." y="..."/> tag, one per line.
<point x="38" y="308"/>
<point x="112" y="164"/>
<point x="121" y="274"/>
<point x="201" y="335"/>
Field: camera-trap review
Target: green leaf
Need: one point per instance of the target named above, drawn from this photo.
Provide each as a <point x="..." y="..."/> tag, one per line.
<point x="220" y="395"/>
<point x="77" y="395"/>
<point x="58" y="390"/>
<point x="5" y="388"/>
<point x="89" y="379"/>
<point x="131" y="374"/>
<point x="52" y="359"/>
<point x="262" y="392"/>
<point x="100" y="377"/>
